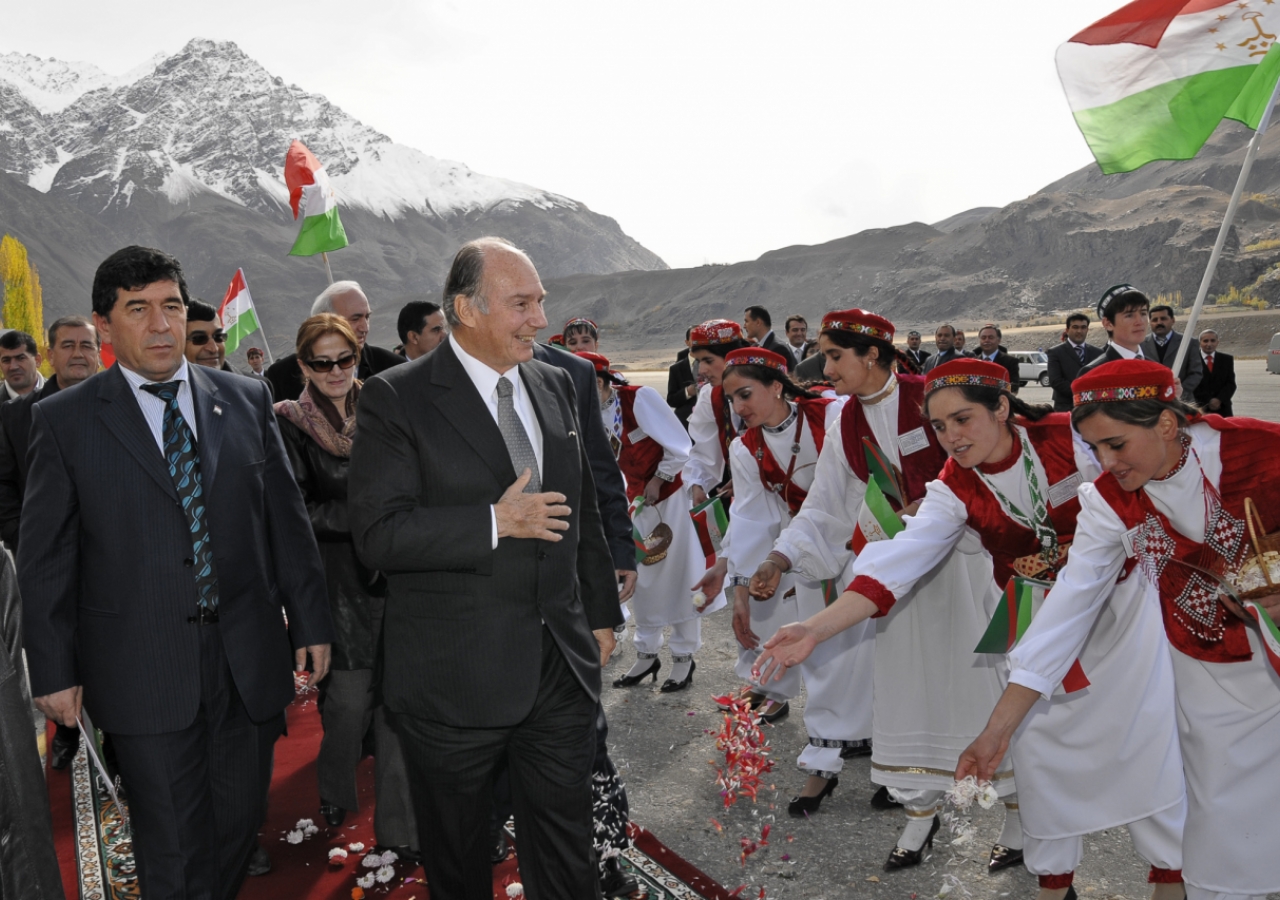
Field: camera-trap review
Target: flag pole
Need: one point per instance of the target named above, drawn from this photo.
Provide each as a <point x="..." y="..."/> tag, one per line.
<point x="324" y="254"/>
<point x="1189" y="332"/>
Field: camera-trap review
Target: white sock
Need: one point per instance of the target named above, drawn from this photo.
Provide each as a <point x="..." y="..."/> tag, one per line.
<point x="1011" y="836"/>
<point x="680" y="667"/>
<point x="917" y="830"/>
<point x="642" y="664"/>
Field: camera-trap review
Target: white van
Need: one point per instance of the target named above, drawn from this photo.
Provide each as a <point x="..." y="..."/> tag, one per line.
<point x="1273" y="355"/>
<point x="1033" y="365"/>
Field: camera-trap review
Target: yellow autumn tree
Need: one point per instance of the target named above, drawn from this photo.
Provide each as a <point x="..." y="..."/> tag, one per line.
<point x="23" y="299"/>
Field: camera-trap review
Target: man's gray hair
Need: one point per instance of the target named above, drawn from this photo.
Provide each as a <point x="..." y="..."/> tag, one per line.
<point x="1208" y="331"/>
<point x="467" y="274"/>
<point x="324" y="302"/>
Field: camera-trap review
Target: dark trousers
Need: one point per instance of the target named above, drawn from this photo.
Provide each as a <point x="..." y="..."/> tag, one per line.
<point x="549" y="755"/>
<point x="195" y="795"/>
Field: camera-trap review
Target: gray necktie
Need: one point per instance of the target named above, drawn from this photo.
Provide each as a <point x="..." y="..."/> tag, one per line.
<point x="517" y="439"/>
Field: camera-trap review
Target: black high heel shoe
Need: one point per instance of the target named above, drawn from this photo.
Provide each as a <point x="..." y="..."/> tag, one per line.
<point x="1003" y="857"/>
<point x="901" y="858"/>
<point x="671" y="685"/>
<point x="804" y="806"/>
<point x="633" y="680"/>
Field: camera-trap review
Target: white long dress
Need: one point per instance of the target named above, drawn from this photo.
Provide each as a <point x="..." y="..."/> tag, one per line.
<point x="1095" y="759"/>
<point x="663" y="595"/>
<point x="932" y="693"/>
<point x="838" y="675"/>
<point x="759" y="515"/>
<point x="1228" y="713"/>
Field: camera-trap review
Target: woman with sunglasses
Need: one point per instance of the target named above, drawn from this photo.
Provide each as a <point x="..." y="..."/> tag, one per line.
<point x="1012" y="479"/>
<point x="930" y="694"/>
<point x="1170" y="509"/>
<point x="318" y="429"/>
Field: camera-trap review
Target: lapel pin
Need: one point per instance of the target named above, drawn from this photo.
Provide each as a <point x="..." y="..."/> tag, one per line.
<point x="217" y="410"/>
<point x="573" y="434"/>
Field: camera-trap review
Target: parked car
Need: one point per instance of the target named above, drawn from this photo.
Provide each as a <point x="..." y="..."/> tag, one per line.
<point x="1032" y="366"/>
<point x="1273" y="355"/>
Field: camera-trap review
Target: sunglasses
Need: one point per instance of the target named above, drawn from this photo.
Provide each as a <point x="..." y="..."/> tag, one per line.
<point x="326" y="365"/>
<point x="200" y="338"/>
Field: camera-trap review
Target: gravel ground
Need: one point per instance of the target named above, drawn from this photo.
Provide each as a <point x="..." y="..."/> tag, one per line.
<point x="664" y="745"/>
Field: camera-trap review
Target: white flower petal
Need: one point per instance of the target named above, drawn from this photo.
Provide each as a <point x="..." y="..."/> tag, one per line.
<point x="294" y="837"/>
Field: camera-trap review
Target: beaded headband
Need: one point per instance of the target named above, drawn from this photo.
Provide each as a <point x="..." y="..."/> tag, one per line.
<point x="858" y="321"/>
<point x="1118" y="394"/>
<point x="967" y="373"/>
<point x="581" y="321"/>
<point x="754" y="356"/>
<point x="1124" y="380"/>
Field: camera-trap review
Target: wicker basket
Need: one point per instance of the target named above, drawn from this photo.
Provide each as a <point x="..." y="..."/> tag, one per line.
<point x="658" y="543"/>
<point x="1266" y="548"/>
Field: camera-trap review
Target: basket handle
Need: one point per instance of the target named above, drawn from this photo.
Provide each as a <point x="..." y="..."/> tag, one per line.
<point x="1250" y="516"/>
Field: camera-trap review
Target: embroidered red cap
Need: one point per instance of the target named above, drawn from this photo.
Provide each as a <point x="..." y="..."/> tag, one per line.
<point x="557" y="339"/>
<point x="756" y="356"/>
<point x="961" y="372"/>
<point x="1124" y="379"/>
<point x="714" y="333"/>
<point x="858" y="321"/>
<point x="600" y="362"/>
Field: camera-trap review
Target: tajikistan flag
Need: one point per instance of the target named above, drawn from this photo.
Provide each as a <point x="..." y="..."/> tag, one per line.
<point x="239" y="318"/>
<point x="1153" y="79"/>
<point x="311" y="194"/>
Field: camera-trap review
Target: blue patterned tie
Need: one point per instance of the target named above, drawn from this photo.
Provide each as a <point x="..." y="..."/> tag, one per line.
<point x="183" y="457"/>
<point x="1080" y="353"/>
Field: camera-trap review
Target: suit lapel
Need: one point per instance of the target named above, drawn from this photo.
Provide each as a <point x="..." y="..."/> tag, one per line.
<point x="555" y="434"/>
<point x="120" y="413"/>
<point x="204" y="393"/>
<point x="461" y="404"/>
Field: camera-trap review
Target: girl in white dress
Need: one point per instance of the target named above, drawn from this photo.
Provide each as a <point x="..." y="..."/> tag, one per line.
<point x="652" y="447"/>
<point x="931" y="692"/>
<point x="1012" y="480"/>
<point x="1171" y="503"/>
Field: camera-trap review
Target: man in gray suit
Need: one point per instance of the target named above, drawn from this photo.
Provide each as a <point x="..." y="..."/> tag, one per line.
<point x="1162" y="346"/>
<point x="162" y="531"/>
<point x="471" y="489"/>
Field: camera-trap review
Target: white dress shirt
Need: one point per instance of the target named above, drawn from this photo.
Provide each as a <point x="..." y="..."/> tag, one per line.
<point x="485" y="378"/>
<point x="1125" y="353"/>
<point x="14" y="395"/>
<point x="153" y="407"/>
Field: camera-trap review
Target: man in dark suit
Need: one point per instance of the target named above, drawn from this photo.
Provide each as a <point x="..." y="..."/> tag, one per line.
<point x="170" y="532"/>
<point x="73" y="355"/>
<point x="1068" y="358"/>
<point x="944" y="338"/>
<point x="758" y="326"/>
<point x="914" y="351"/>
<point x="1162" y="346"/>
<point x="989" y="337"/>
<point x="682" y="383"/>
<point x="346" y="299"/>
<point x="471" y="489"/>
<point x="1215" y="390"/>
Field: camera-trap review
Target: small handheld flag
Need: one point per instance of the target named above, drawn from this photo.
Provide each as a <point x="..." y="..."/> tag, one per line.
<point x="883" y="499"/>
<point x="239" y="318"/>
<point x="1022" y="599"/>
<point x="312" y="196"/>
<point x="710" y="522"/>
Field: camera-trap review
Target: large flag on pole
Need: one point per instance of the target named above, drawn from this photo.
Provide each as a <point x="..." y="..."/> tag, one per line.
<point x="239" y="318"/>
<point x="1155" y="78"/>
<point x="312" y="196"/>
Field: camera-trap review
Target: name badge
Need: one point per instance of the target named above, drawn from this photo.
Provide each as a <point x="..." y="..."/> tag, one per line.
<point x="912" y="441"/>
<point x="1064" y="490"/>
<point x="1128" y="538"/>
<point x="637" y="435"/>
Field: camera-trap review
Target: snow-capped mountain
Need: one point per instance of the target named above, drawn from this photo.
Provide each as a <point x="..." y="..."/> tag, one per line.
<point x="194" y="143"/>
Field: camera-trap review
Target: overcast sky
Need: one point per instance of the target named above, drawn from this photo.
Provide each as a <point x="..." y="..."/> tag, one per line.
<point x="712" y="130"/>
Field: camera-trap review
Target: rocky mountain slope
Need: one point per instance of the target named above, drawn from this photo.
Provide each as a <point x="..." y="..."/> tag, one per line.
<point x="186" y="153"/>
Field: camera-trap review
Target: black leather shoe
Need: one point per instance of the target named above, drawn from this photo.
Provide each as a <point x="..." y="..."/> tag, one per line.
<point x="771" y="712"/>
<point x="900" y="858"/>
<point x="500" y="849"/>
<point x="334" y="815"/>
<point x="633" y="680"/>
<point x="259" y="862"/>
<point x="63" y="749"/>
<point x="804" y="806"/>
<point x="670" y="686"/>
<point x="882" y="799"/>
<point x="616" y="882"/>
<point x="408" y="854"/>
<point x="1003" y="857"/>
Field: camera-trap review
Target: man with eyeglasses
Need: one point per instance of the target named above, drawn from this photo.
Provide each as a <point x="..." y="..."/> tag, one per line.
<point x="20" y="364"/>
<point x="206" y="341"/>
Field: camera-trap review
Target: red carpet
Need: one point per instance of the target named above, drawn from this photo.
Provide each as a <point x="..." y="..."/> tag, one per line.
<point x="302" y="870"/>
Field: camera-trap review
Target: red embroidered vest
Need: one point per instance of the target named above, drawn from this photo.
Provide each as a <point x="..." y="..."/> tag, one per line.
<point x="918" y="468"/>
<point x="772" y="475"/>
<point x="1195" y="622"/>
<point x="1003" y="538"/>
<point x="639" y="460"/>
